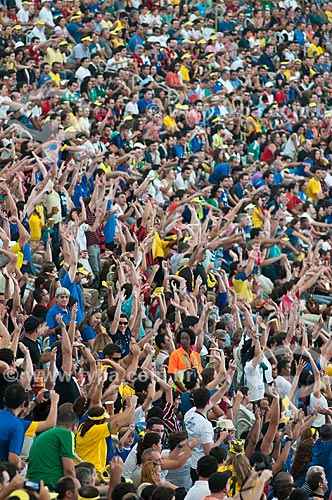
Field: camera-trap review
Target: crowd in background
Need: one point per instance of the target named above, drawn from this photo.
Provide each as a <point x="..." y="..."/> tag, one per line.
<point x="165" y="250"/>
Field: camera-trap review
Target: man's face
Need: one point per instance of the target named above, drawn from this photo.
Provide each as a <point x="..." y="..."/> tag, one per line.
<point x="286" y="371"/>
<point x="63" y="300"/>
<point x="186" y="174"/>
<point x="122" y="199"/>
<point x="158" y="428"/>
<point x="244" y="180"/>
<point x="56" y="68"/>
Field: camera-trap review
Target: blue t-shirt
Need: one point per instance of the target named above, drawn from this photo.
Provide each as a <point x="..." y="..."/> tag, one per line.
<point x="51" y="321"/>
<point x="109" y="228"/>
<point x="73" y="31"/>
<point x="135" y="40"/>
<point x="122" y="341"/>
<point x="76" y="292"/>
<point x="11" y="436"/>
<point x="219" y="171"/>
<point x="88" y="333"/>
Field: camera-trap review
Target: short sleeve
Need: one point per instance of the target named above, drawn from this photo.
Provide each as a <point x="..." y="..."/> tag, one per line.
<point x="207" y="435"/>
<point x="101" y="431"/>
<point x="16" y="437"/>
<point x="67" y="444"/>
<point x="173" y="363"/>
<point x="32" y="429"/>
<point x="65" y="282"/>
<point x="50" y="319"/>
<point x="241" y="276"/>
<point x="88" y="333"/>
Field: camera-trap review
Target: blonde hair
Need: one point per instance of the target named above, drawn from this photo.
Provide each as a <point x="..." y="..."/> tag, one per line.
<point x="101" y="340"/>
<point x="149" y="470"/>
<point x="241" y="467"/>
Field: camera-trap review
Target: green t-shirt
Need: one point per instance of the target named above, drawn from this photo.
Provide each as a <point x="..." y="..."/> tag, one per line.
<point x="255" y="150"/>
<point x="45" y="457"/>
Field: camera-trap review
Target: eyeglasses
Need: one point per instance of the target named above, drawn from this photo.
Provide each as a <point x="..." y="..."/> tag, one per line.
<point x="123" y="323"/>
<point x="158" y="431"/>
<point x="63" y="296"/>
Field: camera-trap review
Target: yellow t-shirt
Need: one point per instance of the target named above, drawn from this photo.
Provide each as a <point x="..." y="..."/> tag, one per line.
<point x="17" y="250"/>
<point x="314" y="50"/>
<point x="234" y="485"/>
<point x="35" y="224"/>
<point x="53" y="55"/>
<point x="328" y="14"/>
<point x="243" y="288"/>
<point x="217" y="141"/>
<point x="256" y="221"/>
<point x="159" y="247"/>
<point x="169" y="122"/>
<point x="184" y="73"/>
<point x="55" y="77"/>
<point x="32" y="429"/>
<point x="92" y="446"/>
<point x="314" y="187"/>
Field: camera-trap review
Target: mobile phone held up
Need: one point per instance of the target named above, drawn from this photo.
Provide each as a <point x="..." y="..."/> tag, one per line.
<point x="31" y="485"/>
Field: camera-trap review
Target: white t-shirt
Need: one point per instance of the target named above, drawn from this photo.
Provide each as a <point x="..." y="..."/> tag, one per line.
<point x="198" y="426"/>
<point x="255" y="382"/>
<point x="198" y="491"/>
<point x="130" y="463"/>
<point x="322" y="401"/>
<point x="47" y="16"/>
<point x="180" y="184"/>
<point x="131" y="109"/>
<point x="82" y="73"/>
<point x="283" y="386"/>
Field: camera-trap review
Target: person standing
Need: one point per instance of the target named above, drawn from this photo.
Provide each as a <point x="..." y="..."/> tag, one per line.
<point x="52" y="453"/>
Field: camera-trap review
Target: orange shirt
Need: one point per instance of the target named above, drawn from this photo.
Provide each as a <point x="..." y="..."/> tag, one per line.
<point x="180" y="361"/>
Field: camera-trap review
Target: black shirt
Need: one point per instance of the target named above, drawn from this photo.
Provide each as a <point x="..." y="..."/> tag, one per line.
<point x="35" y="352"/>
<point x="66" y="387"/>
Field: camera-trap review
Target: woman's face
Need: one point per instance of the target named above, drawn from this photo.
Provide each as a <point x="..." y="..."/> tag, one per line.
<point x="157" y="473"/>
<point x="158" y="446"/>
<point x="321" y="212"/>
<point x="96" y="319"/>
<point x="185" y="340"/>
<point x="123" y="324"/>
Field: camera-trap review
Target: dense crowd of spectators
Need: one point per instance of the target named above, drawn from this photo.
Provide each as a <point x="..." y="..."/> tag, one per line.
<point x="165" y="250"/>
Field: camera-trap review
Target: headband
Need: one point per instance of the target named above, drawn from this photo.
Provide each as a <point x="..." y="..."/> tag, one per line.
<point x="239" y="442"/>
<point x="101" y="417"/>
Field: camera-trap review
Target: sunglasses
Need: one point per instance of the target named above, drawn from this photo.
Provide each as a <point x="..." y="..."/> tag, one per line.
<point x="123" y="323"/>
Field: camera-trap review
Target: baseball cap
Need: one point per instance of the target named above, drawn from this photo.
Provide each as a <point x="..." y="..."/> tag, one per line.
<point x="31" y="323"/>
<point x="82" y="270"/>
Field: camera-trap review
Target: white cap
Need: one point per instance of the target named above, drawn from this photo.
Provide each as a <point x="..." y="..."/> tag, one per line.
<point x="226" y="423"/>
<point x="248" y="207"/>
<point x="269" y="85"/>
<point x="326" y="246"/>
